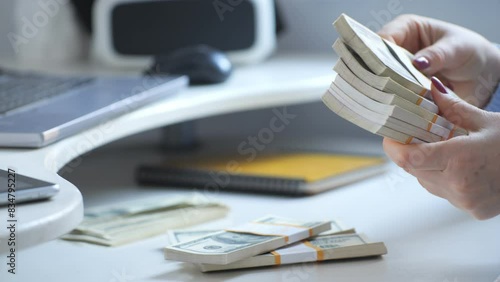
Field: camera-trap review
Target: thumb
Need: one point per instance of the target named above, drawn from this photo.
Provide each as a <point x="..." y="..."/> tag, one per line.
<point x="454" y="109"/>
<point x="432" y="59"/>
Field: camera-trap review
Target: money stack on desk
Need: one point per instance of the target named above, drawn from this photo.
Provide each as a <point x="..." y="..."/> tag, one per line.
<point x="269" y="241"/>
<point x="378" y="88"/>
<point x="128" y="222"/>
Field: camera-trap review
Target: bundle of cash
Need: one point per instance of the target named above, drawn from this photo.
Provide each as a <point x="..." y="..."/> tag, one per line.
<point x="236" y="243"/>
<point x="378" y="88"/>
<point x="337" y="243"/>
<point x="183" y="235"/>
<point x="131" y="221"/>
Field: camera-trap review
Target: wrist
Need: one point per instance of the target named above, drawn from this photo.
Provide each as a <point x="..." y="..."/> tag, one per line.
<point x="490" y="78"/>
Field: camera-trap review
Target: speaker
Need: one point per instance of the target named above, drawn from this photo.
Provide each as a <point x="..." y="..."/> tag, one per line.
<point x="128" y="33"/>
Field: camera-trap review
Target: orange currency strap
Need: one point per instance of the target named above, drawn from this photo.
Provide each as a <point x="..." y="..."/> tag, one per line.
<point x="452" y="132"/>
<point x="424" y="92"/>
<point x="419" y="101"/>
<point x="442" y="132"/>
<point x="434" y="119"/>
<point x="429" y="126"/>
<point x="277" y="257"/>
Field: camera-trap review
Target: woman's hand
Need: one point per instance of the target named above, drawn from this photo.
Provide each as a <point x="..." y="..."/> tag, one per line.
<point x="465" y="170"/>
<point x="463" y="59"/>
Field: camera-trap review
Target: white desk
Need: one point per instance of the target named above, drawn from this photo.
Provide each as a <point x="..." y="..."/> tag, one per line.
<point x="427" y="238"/>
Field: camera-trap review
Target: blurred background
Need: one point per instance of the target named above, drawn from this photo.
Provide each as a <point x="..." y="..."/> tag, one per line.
<point x="308" y="22"/>
<point x="308" y="29"/>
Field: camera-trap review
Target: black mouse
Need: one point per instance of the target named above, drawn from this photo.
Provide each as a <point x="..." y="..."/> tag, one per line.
<point x="202" y="64"/>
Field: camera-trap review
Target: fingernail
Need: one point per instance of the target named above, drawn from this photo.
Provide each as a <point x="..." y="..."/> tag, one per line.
<point x="421" y="63"/>
<point x="439" y="85"/>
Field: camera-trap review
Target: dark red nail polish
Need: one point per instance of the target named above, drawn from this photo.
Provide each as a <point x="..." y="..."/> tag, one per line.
<point x="439" y="85"/>
<point x="421" y="63"/>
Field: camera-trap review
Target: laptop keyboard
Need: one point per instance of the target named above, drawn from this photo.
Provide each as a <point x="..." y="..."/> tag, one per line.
<point x="18" y="91"/>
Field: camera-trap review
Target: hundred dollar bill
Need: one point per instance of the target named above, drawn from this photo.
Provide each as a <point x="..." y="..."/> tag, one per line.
<point x="131" y="221"/>
<point x="247" y="240"/>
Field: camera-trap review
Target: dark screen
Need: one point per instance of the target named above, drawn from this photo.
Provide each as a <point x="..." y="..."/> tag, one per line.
<point x="163" y="26"/>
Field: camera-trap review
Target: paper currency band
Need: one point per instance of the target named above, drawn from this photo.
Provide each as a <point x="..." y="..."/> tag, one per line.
<point x="277" y="257"/>
<point x="419" y="101"/>
<point x="287" y="231"/>
<point x="320" y="254"/>
<point x="408" y="141"/>
<point x="303" y="252"/>
<point x="429" y="126"/>
<point x="423" y="92"/>
<point x="434" y="119"/>
<point x="452" y="132"/>
<point x="287" y="224"/>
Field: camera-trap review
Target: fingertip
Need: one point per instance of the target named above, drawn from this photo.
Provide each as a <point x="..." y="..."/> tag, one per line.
<point x="387" y="37"/>
<point x="387" y="142"/>
<point x="454" y="109"/>
<point x="438" y="85"/>
<point x="390" y="145"/>
<point x="421" y="63"/>
<point x="437" y="91"/>
<point x="433" y="57"/>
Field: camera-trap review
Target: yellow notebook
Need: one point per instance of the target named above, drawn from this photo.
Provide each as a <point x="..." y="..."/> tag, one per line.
<point x="284" y="173"/>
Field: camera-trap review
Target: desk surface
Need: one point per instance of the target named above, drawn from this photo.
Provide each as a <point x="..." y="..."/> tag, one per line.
<point x="427" y="238"/>
<point x="286" y="79"/>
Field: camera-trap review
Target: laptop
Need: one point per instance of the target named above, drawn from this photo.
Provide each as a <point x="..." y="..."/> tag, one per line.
<point x="37" y="110"/>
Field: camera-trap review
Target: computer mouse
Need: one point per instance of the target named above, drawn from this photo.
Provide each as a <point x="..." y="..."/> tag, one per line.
<point x="202" y="64"/>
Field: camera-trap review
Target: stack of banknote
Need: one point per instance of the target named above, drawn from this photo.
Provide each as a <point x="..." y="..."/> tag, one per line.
<point x="378" y="88"/>
<point x="269" y="241"/>
<point x="136" y="220"/>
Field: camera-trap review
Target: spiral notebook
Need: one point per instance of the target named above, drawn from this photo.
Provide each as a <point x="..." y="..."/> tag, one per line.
<point x="285" y="173"/>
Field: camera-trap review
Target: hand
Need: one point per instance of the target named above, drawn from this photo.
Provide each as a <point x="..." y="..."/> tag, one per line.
<point x="463" y="59"/>
<point x="465" y="170"/>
